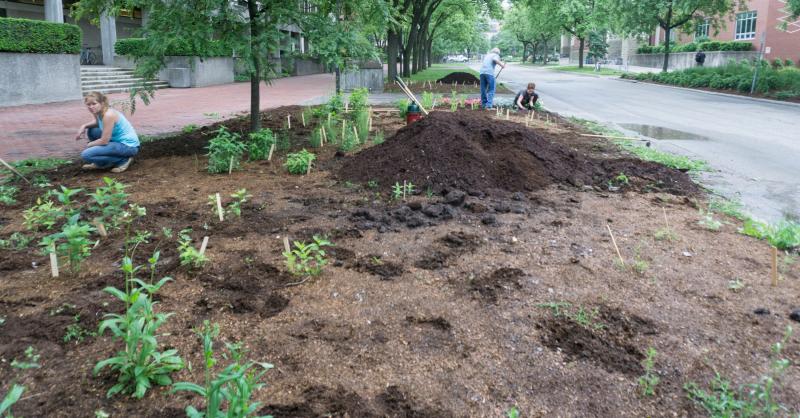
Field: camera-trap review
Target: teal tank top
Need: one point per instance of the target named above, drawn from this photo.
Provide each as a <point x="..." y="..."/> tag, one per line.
<point x="123" y="131"/>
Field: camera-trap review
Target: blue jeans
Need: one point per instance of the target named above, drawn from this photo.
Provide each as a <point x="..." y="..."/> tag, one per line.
<point x="487" y="90"/>
<point x="113" y="154"/>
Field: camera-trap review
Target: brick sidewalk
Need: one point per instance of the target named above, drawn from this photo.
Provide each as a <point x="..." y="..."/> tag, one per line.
<point x="47" y="130"/>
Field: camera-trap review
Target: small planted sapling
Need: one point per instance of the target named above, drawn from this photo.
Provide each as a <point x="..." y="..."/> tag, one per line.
<point x="709" y="222"/>
<point x="240" y="197"/>
<point x="7" y="194"/>
<point x="225" y="151"/>
<point x="31" y="360"/>
<point x="299" y="162"/>
<point x="44" y="215"/>
<point x="307" y="259"/>
<point x="72" y="242"/>
<point x="139" y="365"/>
<point x="109" y="201"/>
<point x="189" y="128"/>
<point x="400" y="191"/>
<point x="189" y="255"/>
<point x="233" y="386"/>
<point x="378" y="138"/>
<point x="260" y="144"/>
<point x="650" y="379"/>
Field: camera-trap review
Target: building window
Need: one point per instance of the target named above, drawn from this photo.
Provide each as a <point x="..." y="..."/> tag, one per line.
<point x="745" y="25"/>
<point x="702" y="29"/>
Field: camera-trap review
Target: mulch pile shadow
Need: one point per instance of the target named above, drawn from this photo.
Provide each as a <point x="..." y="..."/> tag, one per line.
<point x="458" y="77"/>
<point x="475" y="152"/>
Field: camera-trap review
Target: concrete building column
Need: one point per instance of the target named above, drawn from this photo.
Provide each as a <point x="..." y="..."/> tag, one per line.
<point x="302" y="45"/>
<point x="658" y="36"/>
<point x="108" y="37"/>
<point x="54" y="11"/>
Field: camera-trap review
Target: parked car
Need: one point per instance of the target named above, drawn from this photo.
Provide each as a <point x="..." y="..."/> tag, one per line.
<point x="456" y="58"/>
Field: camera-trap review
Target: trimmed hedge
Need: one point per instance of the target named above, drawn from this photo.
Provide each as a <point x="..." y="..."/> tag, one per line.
<point x="708" y="46"/>
<point x="781" y="83"/>
<point x="39" y="37"/>
<point x="137" y="47"/>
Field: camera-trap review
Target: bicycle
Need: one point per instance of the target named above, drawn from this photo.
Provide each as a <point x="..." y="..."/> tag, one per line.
<point x="87" y="56"/>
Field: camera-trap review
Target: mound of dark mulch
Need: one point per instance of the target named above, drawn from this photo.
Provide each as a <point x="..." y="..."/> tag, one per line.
<point x="458" y="77"/>
<point x="472" y="151"/>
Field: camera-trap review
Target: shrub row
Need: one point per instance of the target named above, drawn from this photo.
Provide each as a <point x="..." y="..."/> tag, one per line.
<point x="137" y="47"/>
<point x="39" y="37"/>
<point x="779" y="82"/>
<point x="693" y="46"/>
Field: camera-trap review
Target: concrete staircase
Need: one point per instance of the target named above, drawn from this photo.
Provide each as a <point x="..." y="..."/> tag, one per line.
<point x="112" y="80"/>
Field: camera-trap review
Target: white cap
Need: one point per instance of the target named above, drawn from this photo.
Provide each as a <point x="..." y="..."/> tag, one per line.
<point x="495" y="51"/>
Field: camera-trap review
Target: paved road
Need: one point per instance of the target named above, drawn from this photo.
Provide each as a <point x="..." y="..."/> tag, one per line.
<point x="753" y="145"/>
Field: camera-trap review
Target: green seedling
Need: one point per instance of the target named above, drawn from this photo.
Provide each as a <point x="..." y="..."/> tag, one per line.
<point x="361" y="120"/>
<point x="260" y="144"/>
<point x="41" y="181"/>
<point x="139" y="365"/>
<point x="709" y="222"/>
<point x="512" y="413"/>
<point x="752" y="400"/>
<point x="43" y="215"/>
<point x="736" y="285"/>
<point x="75" y="332"/>
<point x="233" y="386"/>
<point x="189" y="128"/>
<point x="109" y="201"/>
<point x="665" y="234"/>
<point x="283" y="143"/>
<point x="299" y="162"/>
<point x="372" y="184"/>
<point x="731" y="208"/>
<point x="225" y="152"/>
<point x="648" y="382"/>
<point x="189" y="255"/>
<point x="31" y="360"/>
<point x="427" y="100"/>
<point x="71" y="243"/>
<point x="349" y="142"/>
<point x="378" y="138"/>
<point x="7" y="194"/>
<point x="316" y="138"/>
<point x="307" y="259"/>
<point x="402" y="105"/>
<point x="581" y="316"/>
<point x="213" y="115"/>
<point x="10" y="399"/>
<point x="16" y="241"/>
<point x="400" y="191"/>
<point x="239" y="197"/>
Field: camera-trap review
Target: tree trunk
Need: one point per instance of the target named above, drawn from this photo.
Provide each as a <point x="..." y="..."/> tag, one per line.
<point x="391" y="53"/>
<point x="667" y="32"/>
<point x="255" y="77"/>
<point x="338" y="80"/>
<point x="430" y="53"/>
<point x="580" y="52"/>
<point x="524" y="52"/>
<point x="410" y="44"/>
<point x="545" y="52"/>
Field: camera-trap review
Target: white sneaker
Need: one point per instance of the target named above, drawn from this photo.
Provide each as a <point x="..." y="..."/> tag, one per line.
<point x="122" y="167"/>
<point x="91" y="166"/>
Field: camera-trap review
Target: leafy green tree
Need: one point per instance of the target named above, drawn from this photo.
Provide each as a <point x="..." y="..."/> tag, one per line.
<point x="338" y="31"/>
<point x="643" y="16"/>
<point x="247" y="28"/>
<point x="794" y="8"/>
<point x="598" y="47"/>
<point x="577" y="17"/>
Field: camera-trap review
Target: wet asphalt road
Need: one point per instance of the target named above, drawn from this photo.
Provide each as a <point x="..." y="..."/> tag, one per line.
<point x="753" y="146"/>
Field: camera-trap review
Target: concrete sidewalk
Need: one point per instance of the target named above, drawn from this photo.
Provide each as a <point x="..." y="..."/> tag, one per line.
<point x="47" y="130"/>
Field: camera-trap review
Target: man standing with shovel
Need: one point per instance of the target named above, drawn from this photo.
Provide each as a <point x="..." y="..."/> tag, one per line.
<point x="487" y="77"/>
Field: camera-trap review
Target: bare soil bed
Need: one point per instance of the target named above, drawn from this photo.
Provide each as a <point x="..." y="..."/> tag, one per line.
<point x="441" y="305"/>
<point x="419" y="87"/>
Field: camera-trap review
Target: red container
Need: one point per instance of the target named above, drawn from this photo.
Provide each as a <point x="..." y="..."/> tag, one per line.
<point x="413" y="113"/>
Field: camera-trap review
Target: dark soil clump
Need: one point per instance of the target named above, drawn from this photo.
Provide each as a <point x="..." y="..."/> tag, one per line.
<point x="491" y="285"/>
<point x="458" y="77"/>
<point x="472" y="151"/>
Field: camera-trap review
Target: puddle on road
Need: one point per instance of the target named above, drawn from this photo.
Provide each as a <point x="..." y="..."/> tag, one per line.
<point x="660" y="132"/>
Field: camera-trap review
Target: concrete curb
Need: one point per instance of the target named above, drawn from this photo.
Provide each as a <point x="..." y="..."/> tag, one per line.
<point x="735" y="96"/>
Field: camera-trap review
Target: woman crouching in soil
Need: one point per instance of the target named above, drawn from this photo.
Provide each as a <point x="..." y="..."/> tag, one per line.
<point x="112" y="140"/>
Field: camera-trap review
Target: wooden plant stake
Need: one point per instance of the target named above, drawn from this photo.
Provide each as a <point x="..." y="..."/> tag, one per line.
<point x="346" y="107"/>
<point x="230" y="166"/>
<point x="289" y="121"/>
<point x="323" y="137"/>
<point x="774" y="266"/>
<point x="329" y="118"/>
<point x="203" y="245"/>
<point x="100" y="228"/>
<point x="13" y="170"/>
<point x="404" y="190"/>
<point x="355" y="131"/>
<point x="286" y="244"/>
<point x="508" y="114"/>
<point x="303" y="118"/>
<point x="666" y="221"/>
<point x="308" y="169"/>
<point x="53" y="261"/>
<point x="433" y="105"/>
<point x="621" y="260"/>
<point x="344" y="123"/>
<point x="219" y="208"/>
<point x="271" y="149"/>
